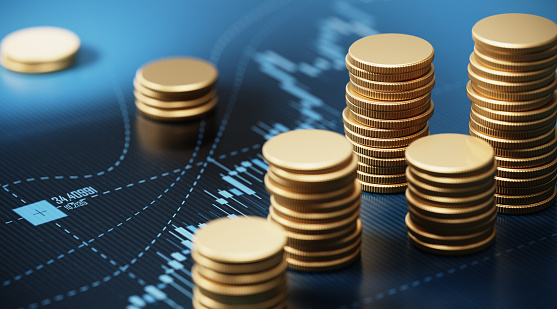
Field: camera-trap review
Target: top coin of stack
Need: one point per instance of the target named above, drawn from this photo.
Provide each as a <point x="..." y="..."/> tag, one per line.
<point x="512" y="89"/>
<point x="176" y="89"/>
<point x="239" y="263"/>
<point x="39" y="49"/>
<point x="450" y="194"/>
<point x="388" y="103"/>
<point x="315" y="197"/>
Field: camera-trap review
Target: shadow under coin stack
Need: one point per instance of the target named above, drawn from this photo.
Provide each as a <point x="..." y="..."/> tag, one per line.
<point x="239" y="263"/>
<point x="388" y="104"/>
<point x="315" y="197"/>
<point x="176" y="89"/>
<point x="450" y="194"/>
<point x="512" y="89"/>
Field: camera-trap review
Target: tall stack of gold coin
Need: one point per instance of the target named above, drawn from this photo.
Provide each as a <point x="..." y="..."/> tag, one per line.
<point x="239" y="263"/>
<point x="512" y="89"/>
<point x="176" y="89"/>
<point x="450" y="194"/>
<point x="315" y="197"/>
<point x="388" y="103"/>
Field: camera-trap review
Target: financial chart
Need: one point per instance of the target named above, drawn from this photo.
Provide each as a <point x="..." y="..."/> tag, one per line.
<point x="98" y="204"/>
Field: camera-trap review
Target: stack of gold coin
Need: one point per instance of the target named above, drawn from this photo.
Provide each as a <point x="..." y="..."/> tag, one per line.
<point x="239" y="263"/>
<point x="388" y="103"/>
<point x="315" y="197"/>
<point x="176" y="89"/>
<point x="39" y="49"/>
<point x="450" y="194"/>
<point x="512" y="89"/>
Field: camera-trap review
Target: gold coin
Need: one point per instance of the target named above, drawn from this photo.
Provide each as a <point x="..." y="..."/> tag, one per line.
<point x="528" y="189"/>
<point x="295" y="239"/>
<point x="497" y="74"/>
<point x="512" y="135"/>
<point x="394" y="123"/>
<point x="382" y="162"/>
<point x="453" y="240"/>
<point x="429" y="189"/>
<point x="307" y="150"/>
<point x="390" y="53"/>
<point x="174" y="104"/>
<point x="453" y="249"/>
<point x="389" y="115"/>
<point x="394" y="142"/>
<point x="530" y="172"/>
<point x="381" y="179"/>
<point x="241" y="240"/>
<point x="361" y="101"/>
<point x="515" y="33"/>
<point x="513" y="87"/>
<point x="501" y="145"/>
<point x="454" y="154"/>
<point x="328" y="244"/>
<point x="527" y="152"/>
<point x="326" y="255"/>
<point x="246" y="300"/>
<point x="368" y="131"/>
<point x="526" y="209"/>
<point x="342" y="202"/>
<point x="378" y="170"/>
<point x="175" y="114"/>
<point x="393" y="86"/>
<point x="39" y="47"/>
<point x="514" y="57"/>
<point x="514" y="125"/>
<point x="35" y="68"/>
<point x="524" y="182"/>
<point x="177" y="75"/>
<point x="315" y="227"/>
<point x="385" y="77"/>
<point x="526" y="68"/>
<point x="448" y="181"/>
<point x="285" y="196"/>
<point x="516" y="96"/>
<point x="394" y="96"/>
<point x="523" y="199"/>
<point x="171" y="96"/>
<point x="272" y="302"/>
<point x="383" y="188"/>
<point x="392" y="155"/>
<point x="461" y="201"/>
<point x="237" y="268"/>
<point x="234" y="290"/>
<point x="508" y="106"/>
<point x="242" y="279"/>
<point x="446" y="212"/>
<point x="321" y="266"/>
<point x="530" y="115"/>
<point x="526" y="162"/>
<point x="314" y="217"/>
<point x="435" y="224"/>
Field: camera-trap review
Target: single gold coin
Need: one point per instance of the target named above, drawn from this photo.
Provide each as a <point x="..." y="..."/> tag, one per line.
<point x="382" y="162"/>
<point x="444" y="211"/>
<point x="307" y="150"/>
<point x="171" y="96"/>
<point x="296" y="239"/>
<point x="528" y="190"/>
<point x="328" y="244"/>
<point x="429" y="189"/>
<point x="237" y="268"/>
<point x="322" y="266"/>
<point x="526" y="162"/>
<point x="270" y="302"/>
<point x="242" y="279"/>
<point x="530" y="172"/>
<point x="526" y="209"/>
<point x="463" y="201"/>
<point x="531" y="95"/>
<point x="512" y="135"/>
<point x="342" y="202"/>
<point x="244" y="299"/>
<point x="286" y="196"/>
<point x="406" y="85"/>
<point x="312" y="187"/>
<point x="389" y="115"/>
<point x="529" y="68"/>
<point x="395" y="123"/>
<point x="392" y="155"/>
<point x="35" y="68"/>
<point x="241" y="240"/>
<point x="381" y="179"/>
<point x="378" y="170"/>
<point x="523" y="199"/>
<point x="390" y="53"/>
<point x="394" y="96"/>
<point x="365" y="130"/>
<point x="454" y="154"/>
<point x="525" y="182"/>
<point x="175" y="114"/>
<point x="395" y="142"/>
<point x="326" y="255"/>
<point x="515" y="33"/>
<point x="314" y="217"/>
<point x="162" y="104"/>
<point x="487" y="71"/>
<point x="383" y="188"/>
<point x="518" y="152"/>
<point x="442" y="225"/>
<point x="385" y="77"/>
<point x="235" y="290"/>
<point x="504" y="147"/>
<point x="514" y="116"/>
<point x="449" y="181"/>
<point x="177" y="75"/>
<point x="507" y="106"/>
<point x="513" y="87"/>
<point x="40" y="45"/>
<point x="315" y="227"/>
<point x="361" y="101"/>
<point x="514" y="125"/>
<point x="514" y="57"/>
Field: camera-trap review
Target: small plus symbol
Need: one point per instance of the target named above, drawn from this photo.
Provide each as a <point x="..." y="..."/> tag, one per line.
<point x="40" y="212"/>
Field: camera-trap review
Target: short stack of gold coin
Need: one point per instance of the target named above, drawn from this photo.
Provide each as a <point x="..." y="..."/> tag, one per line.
<point x="315" y="197"/>
<point x="388" y="103"/>
<point x="239" y="263"/>
<point x="176" y="89"/>
<point x="450" y="194"/>
<point x="512" y="89"/>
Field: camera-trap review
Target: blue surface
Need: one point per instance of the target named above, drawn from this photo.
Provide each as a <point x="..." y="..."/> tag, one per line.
<point x="281" y="66"/>
<point x="40" y="212"/>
